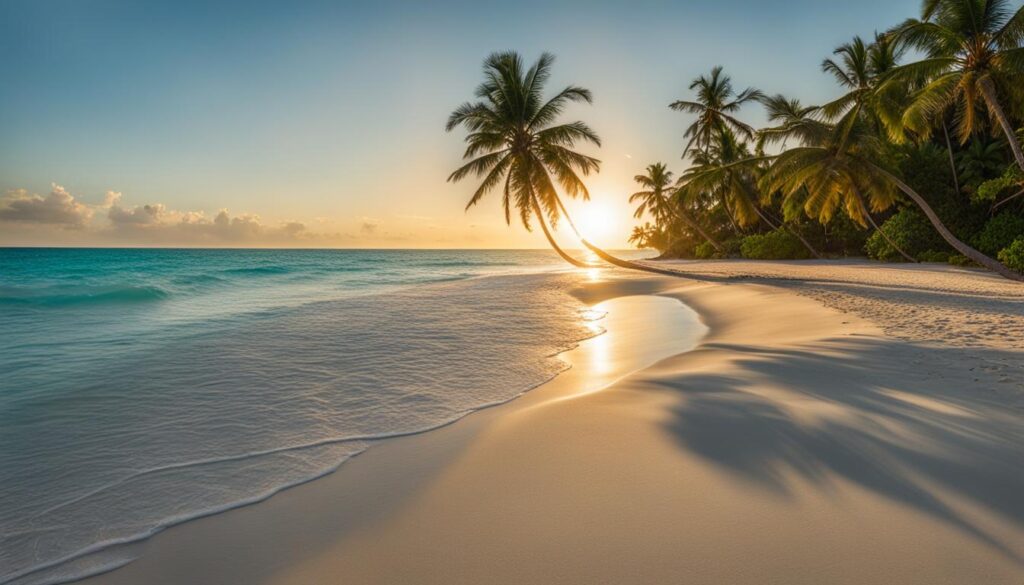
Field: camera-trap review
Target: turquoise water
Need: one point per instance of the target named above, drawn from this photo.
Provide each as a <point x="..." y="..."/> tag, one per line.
<point x="142" y="388"/>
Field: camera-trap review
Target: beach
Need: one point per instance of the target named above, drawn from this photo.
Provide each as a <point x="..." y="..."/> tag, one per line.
<point x="819" y="430"/>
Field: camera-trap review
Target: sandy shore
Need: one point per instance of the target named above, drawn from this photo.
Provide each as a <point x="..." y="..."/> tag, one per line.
<point x="796" y="443"/>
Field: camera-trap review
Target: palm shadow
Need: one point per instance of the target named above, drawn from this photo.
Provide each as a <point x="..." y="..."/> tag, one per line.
<point x="865" y="411"/>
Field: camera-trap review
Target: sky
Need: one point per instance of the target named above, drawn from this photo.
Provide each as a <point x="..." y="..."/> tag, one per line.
<point x="321" y="124"/>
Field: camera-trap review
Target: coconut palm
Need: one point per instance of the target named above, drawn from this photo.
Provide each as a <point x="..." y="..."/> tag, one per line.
<point x="655" y="199"/>
<point x="857" y="67"/>
<point x="515" y="144"/>
<point x="802" y="124"/>
<point x="730" y="174"/>
<point x="981" y="160"/>
<point x="972" y="58"/>
<point x="715" y="106"/>
<point x="843" y="172"/>
<point x="792" y="121"/>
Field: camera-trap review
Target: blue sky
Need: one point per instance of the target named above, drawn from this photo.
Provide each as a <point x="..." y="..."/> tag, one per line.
<point x="330" y="115"/>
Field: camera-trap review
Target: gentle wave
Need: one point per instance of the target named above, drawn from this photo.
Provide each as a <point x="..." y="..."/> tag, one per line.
<point x="112" y="294"/>
<point x="260" y="270"/>
<point x="259" y="497"/>
<point x="118" y="426"/>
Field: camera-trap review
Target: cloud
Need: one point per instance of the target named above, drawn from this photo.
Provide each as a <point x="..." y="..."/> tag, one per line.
<point x="140" y="215"/>
<point x="111" y="199"/>
<point x="58" y="208"/>
<point x="59" y="218"/>
<point x="156" y="223"/>
<point x="369" y="226"/>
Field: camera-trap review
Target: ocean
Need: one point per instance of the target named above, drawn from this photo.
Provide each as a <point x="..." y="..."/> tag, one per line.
<point x="140" y="388"/>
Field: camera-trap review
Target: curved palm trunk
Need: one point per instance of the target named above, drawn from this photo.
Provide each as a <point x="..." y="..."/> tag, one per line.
<point x="961" y="247"/>
<point x="871" y="220"/>
<point x="614" y="261"/>
<point x="988" y="89"/>
<point x="551" y="240"/>
<point x="629" y="264"/>
<point x="806" y="244"/>
<point x="1007" y="200"/>
<point x="952" y="163"/>
<point x="696" y="226"/>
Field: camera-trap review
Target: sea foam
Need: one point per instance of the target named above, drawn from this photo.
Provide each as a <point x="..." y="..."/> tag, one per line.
<point x="120" y="419"/>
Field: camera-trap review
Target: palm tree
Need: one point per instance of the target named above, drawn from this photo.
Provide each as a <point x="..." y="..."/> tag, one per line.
<point x="842" y="171"/>
<point x="515" y="143"/>
<point x="792" y="121"/>
<point x="980" y="161"/>
<point x="655" y="199"/>
<point x="972" y="50"/>
<point x="801" y="123"/>
<point x="857" y="67"/>
<point x="648" y="236"/>
<point x="715" y="106"/>
<point x="730" y="174"/>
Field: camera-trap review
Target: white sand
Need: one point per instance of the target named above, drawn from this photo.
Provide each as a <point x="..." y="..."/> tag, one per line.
<point x="796" y="444"/>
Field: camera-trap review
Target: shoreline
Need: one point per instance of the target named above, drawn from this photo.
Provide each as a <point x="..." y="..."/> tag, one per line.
<point x="751" y="458"/>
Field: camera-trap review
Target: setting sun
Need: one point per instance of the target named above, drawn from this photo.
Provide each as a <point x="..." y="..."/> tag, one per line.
<point x="598" y="221"/>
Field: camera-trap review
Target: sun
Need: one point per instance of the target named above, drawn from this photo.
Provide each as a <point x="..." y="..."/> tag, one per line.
<point x="597" y="221"/>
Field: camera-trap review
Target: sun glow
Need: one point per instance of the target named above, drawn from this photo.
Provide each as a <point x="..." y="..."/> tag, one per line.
<point x="597" y="221"/>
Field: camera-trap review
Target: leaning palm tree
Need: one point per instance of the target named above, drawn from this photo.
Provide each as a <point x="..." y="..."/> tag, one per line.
<point x="803" y="125"/>
<point x="843" y="171"/>
<point x="972" y="57"/>
<point x="731" y="175"/>
<point x="514" y="142"/>
<point x="655" y="200"/>
<point x="715" y="107"/>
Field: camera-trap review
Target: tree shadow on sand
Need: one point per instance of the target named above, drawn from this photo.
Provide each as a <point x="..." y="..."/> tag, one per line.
<point x="892" y="418"/>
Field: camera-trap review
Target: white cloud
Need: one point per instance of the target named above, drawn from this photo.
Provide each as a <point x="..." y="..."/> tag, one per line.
<point x="57" y="208"/>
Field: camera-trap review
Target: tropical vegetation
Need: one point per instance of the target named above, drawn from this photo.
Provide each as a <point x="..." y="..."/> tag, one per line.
<point x="919" y="158"/>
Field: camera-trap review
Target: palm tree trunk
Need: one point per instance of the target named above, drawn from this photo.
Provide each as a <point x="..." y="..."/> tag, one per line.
<point x="871" y="220"/>
<point x="961" y="247"/>
<point x="629" y="264"/>
<point x="988" y="89"/>
<point x="806" y="244"/>
<point x="952" y="163"/>
<point x="732" y="220"/>
<point x="1007" y="200"/>
<point x="551" y="240"/>
<point x="696" y="226"/>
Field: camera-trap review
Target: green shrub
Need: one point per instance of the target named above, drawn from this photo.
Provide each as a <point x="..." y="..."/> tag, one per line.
<point x="1013" y="255"/>
<point x="991" y="190"/>
<point x="732" y="246"/>
<point x="998" y="233"/>
<point x="960" y="260"/>
<point x="934" y="256"/>
<point x="704" y="251"/>
<point x="911" y="231"/>
<point x="775" y="245"/>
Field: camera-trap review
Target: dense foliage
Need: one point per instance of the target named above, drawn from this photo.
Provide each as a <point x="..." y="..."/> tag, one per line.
<point x="1013" y="255"/>
<point x="918" y="159"/>
<point x="909" y="230"/>
<point x="778" y="244"/>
